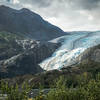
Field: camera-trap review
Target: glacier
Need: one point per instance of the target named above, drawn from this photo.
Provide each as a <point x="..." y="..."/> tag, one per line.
<point x="71" y="47"/>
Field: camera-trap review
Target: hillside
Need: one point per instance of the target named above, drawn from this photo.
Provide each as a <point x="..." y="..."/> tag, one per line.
<point x="26" y="22"/>
<point x="88" y="67"/>
<point x="24" y="37"/>
<point x="20" y="56"/>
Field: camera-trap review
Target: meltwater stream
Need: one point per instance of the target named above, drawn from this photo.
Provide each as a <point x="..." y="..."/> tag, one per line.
<point x="71" y="48"/>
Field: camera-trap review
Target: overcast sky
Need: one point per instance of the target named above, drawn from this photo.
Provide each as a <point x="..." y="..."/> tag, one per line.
<point x="70" y="15"/>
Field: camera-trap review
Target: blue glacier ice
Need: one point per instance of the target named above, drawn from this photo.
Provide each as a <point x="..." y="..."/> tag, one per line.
<point x="73" y="45"/>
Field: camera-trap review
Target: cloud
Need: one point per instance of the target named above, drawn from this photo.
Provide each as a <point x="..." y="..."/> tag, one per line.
<point x="67" y="14"/>
<point x="39" y="3"/>
<point x="16" y="1"/>
<point x="85" y="4"/>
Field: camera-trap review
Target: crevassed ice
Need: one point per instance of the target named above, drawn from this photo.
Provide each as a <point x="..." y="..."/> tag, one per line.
<point x="71" y="48"/>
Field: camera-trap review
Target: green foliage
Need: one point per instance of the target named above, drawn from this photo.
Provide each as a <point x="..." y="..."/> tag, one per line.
<point x="7" y="40"/>
<point x="88" y="89"/>
<point x="83" y="85"/>
<point x="15" y="92"/>
<point x="8" y="45"/>
<point x="10" y="36"/>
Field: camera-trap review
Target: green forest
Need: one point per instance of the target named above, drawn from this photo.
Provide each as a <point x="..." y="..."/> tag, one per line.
<point x="86" y="87"/>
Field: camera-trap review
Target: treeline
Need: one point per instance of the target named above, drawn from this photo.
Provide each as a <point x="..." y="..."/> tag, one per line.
<point x="81" y="83"/>
<point x="86" y="88"/>
<point x="14" y="92"/>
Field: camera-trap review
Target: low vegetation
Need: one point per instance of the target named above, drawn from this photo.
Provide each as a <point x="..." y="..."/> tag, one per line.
<point x="86" y="88"/>
<point x="14" y="92"/>
<point x="74" y="83"/>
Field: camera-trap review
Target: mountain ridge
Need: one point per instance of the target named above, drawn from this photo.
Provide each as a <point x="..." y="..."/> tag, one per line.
<point x="24" y="41"/>
<point x="27" y="22"/>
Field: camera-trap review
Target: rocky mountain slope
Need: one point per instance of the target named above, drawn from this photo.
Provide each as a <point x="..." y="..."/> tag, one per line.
<point x="26" y="22"/>
<point x="88" y="67"/>
<point x="91" y="54"/>
<point x="24" y="37"/>
<point x="29" y="44"/>
<point x="19" y="55"/>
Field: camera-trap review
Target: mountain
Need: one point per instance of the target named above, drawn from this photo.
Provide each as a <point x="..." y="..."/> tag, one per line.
<point x="28" y="56"/>
<point x="24" y="41"/>
<point x="30" y="45"/>
<point x="20" y="56"/>
<point x="88" y="67"/>
<point x="91" y="54"/>
<point x="26" y="22"/>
